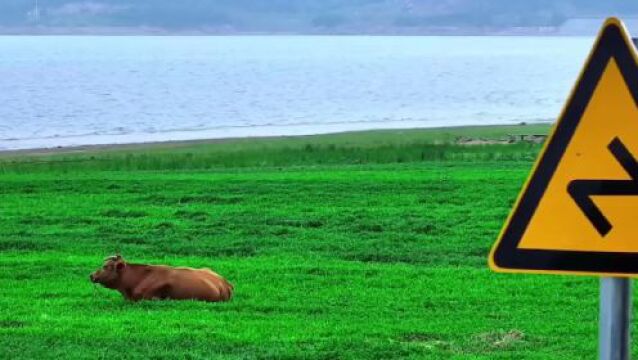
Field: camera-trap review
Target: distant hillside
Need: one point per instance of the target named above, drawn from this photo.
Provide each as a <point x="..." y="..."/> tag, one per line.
<point x="302" y="16"/>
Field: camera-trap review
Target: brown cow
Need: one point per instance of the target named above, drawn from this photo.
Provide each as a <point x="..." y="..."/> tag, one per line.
<point x="136" y="281"/>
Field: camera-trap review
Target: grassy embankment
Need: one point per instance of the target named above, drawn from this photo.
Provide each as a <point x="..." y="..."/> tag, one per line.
<point x="364" y="245"/>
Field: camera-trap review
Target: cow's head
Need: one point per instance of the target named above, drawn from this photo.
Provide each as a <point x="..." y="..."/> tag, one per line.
<point x="109" y="274"/>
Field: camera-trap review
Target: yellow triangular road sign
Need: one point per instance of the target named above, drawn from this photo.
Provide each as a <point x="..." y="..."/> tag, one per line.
<point x="578" y="211"/>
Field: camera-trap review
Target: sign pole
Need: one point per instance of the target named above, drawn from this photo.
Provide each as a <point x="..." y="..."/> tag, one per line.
<point x="615" y="315"/>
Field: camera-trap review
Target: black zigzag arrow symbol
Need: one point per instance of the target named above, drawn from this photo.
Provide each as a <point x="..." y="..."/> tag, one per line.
<point x="582" y="190"/>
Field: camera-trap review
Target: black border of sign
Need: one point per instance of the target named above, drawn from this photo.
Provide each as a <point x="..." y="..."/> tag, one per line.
<point x="613" y="42"/>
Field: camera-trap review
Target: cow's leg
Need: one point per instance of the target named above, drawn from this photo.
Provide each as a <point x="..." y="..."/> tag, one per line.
<point x="150" y="289"/>
<point x="162" y="292"/>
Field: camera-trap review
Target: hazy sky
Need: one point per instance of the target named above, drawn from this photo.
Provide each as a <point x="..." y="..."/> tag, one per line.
<point x="306" y="16"/>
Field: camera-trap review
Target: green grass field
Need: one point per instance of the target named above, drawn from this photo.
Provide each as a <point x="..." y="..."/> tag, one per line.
<point x="353" y="246"/>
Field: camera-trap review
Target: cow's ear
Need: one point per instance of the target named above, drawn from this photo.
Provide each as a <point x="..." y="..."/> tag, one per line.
<point x="119" y="266"/>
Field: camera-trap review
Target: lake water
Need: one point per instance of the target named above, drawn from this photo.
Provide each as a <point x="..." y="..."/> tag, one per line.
<point x="61" y="91"/>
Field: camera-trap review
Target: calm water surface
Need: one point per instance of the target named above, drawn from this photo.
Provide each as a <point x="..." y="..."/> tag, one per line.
<point x="60" y="91"/>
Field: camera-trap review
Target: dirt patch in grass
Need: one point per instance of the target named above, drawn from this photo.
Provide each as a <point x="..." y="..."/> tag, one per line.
<point x="509" y="139"/>
<point x="425" y="340"/>
<point x="499" y="340"/>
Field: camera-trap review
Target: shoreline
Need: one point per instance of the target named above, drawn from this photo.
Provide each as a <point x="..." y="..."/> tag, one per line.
<point x="233" y="132"/>
<point x="179" y="143"/>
